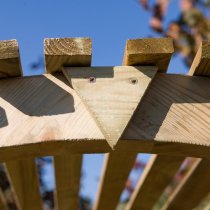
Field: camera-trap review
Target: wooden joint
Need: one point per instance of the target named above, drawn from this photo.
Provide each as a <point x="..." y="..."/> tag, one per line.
<point x="111" y="94"/>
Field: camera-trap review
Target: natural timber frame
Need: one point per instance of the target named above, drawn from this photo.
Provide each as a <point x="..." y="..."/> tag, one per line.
<point x="56" y="114"/>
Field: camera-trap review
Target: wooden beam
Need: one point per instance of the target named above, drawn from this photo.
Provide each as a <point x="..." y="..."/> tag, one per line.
<point x="201" y="62"/>
<point x="67" y="52"/>
<point x="172" y="119"/>
<point x="151" y="51"/>
<point x="197" y="178"/>
<point x="67" y="174"/>
<point x="24" y="179"/>
<point x="116" y="169"/>
<point x="10" y="65"/>
<point x="157" y="174"/>
<point x="117" y="93"/>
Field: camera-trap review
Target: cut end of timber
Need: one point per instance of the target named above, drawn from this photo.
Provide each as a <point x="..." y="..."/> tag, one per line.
<point x="111" y="94"/>
<point x="10" y="65"/>
<point x="61" y="52"/>
<point x="201" y="62"/>
<point x="149" y="51"/>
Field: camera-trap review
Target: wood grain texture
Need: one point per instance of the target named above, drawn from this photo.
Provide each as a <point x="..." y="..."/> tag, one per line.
<point x="192" y="189"/>
<point x="150" y="51"/>
<point x="67" y="52"/>
<point x="156" y="176"/>
<point x="24" y="179"/>
<point x="116" y="169"/>
<point x="67" y="174"/>
<point x="201" y="62"/>
<point x="10" y="65"/>
<point x="113" y="96"/>
<point x="173" y="118"/>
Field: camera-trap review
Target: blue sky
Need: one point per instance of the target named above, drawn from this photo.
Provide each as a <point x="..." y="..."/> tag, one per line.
<point x="109" y="23"/>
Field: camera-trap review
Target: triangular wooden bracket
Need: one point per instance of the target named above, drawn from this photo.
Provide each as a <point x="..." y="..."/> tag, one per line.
<point x="111" y="94"/>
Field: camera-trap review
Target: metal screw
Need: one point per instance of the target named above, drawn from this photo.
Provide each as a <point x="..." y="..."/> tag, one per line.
<point x="133" y="81"/>
<point x="92" y="79"/>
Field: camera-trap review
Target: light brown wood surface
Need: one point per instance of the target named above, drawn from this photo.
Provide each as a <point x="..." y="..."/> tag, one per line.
<point x="116" y="169"/>
<point x="67" y="174"/>
<point x="113" y="96"/>
<point x="24" y="179"/>
<point x="10" y="65"/>
<point x="150" y="51"/>
<point x="67" y="52"/>
<point x="156" y="176"/>
<point x="173" y="118"/>
<point x="201" y="62"/>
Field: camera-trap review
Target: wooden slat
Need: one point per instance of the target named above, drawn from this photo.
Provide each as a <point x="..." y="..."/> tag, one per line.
<point x="157" y="174"/>
<point x="67" y="52"/>
<point x="192" y="189"/>
<point x="3" y="202"/>
<point x="67" y="173"/>
<point x="201" y="62"/>
<point x="113" y="96"/>
<point x="116" y="169"/>
<point x="10" y="64"/>
<point x="24" y="179"/>
<point x="151" y="51"/>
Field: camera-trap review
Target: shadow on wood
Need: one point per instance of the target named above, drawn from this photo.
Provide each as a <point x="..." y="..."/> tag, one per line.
<point x="37" y="95"/>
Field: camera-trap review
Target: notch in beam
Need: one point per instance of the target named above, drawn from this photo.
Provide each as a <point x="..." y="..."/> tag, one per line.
<point x="10" y="65"/>
<point x="151" y="51"/>
<point x="61" y="52"/>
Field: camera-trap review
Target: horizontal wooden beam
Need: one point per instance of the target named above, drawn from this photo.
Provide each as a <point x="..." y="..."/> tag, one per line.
<point x="10" y="65"/>
<point x="42" y="115"/>
<point x="61" y="52"/>
<point x="149" y="51"/>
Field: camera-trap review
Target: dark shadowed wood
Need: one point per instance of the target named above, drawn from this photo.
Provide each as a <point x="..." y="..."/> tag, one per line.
<point x="67" y="52"/>
<point x="24" y="179"/>
<point x="116" y="169"/>
<point x="151" y="51"/>
<point x="10" y="65"/>
<point x="201" y="62"/>
<point x="67" y="174"/>
<point x="192" y="189"/>
<point x="157" y="174"/>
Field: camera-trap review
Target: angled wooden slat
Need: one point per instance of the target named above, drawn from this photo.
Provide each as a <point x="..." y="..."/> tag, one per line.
<point x="197" y="177"/>
<point x="156" y="176"/>
<point x="24" y="179"/>
<point x="113" y="95"/>
<point x="192" y="189"/>
<point x="10" y="65"/>
<point x="201" y="62"/>
<point x="151" y="51"/>
<point x="3" y="202"/>
<point x="116" y="169"/>
<point x="67" y="52"/>
<point x="67" y="174"/>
